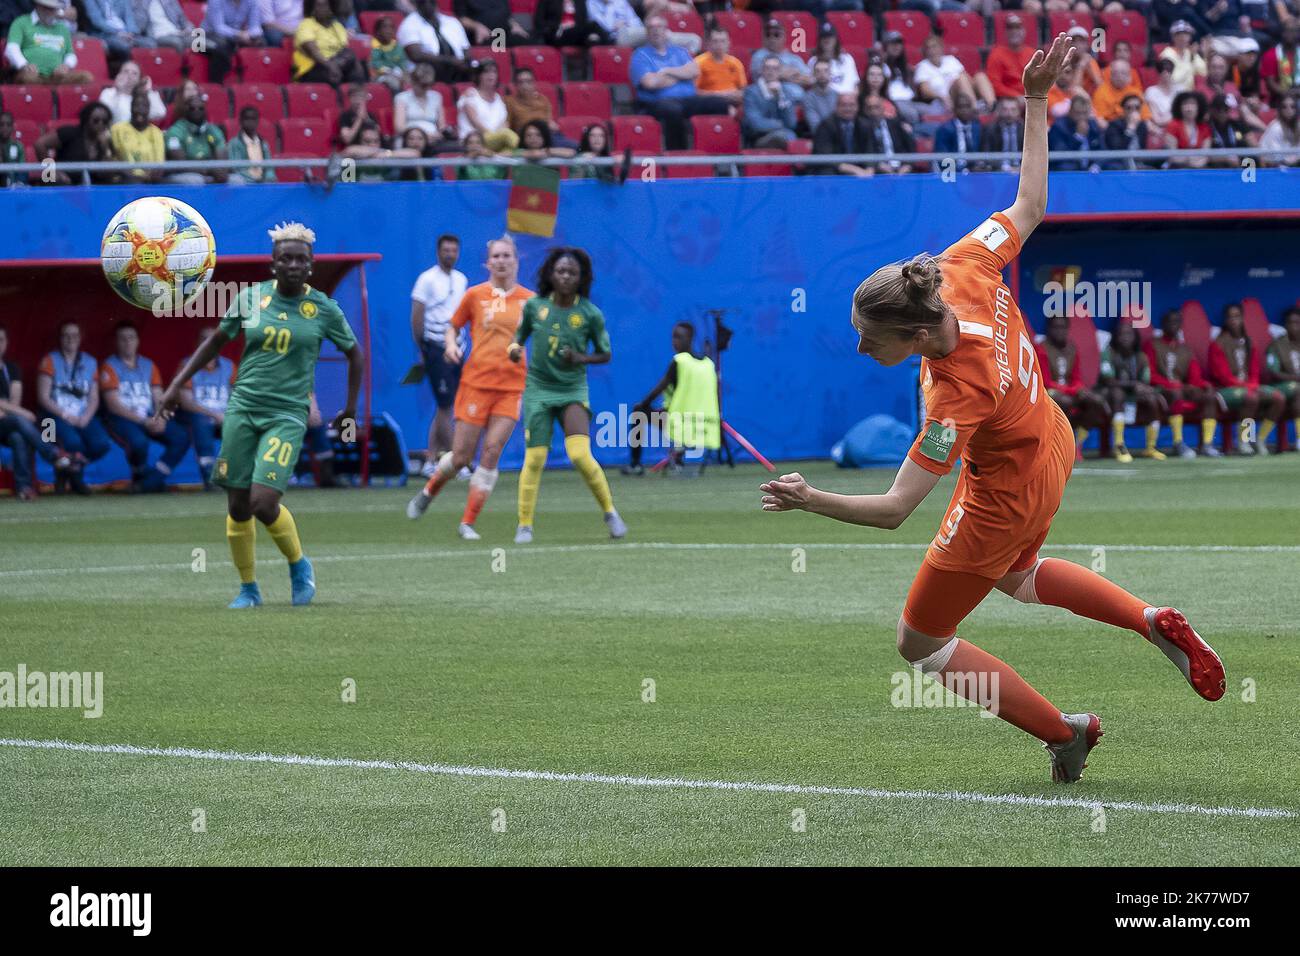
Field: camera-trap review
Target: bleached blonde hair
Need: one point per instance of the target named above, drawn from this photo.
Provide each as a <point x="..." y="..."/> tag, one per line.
<point x="507" y="239"/>
<point x="292" y="232"/>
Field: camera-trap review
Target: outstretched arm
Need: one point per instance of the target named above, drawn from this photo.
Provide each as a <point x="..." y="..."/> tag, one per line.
<point x="1040" y="73"/>
<point x="206" y="353"/>
<point x="911" y="485"/>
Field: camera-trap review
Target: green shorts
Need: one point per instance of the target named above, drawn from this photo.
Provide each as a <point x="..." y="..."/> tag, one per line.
<point x="1233" y="397"/>
<point x="258" y="448"/>
<point x="541" y="412"/>
<point x="1288" y="389"/>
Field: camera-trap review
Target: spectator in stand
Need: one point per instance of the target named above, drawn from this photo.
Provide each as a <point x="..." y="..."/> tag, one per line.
<point x="1169" y="13"/>
<point x="203" y="404"/>
<point x="620" y="21"/>
<point x="1217" y="80"/>
<point x="89" y="141"/>
<point x="793" y="68"/>
<point x="1006" y="134"/>
<point x="139" y="141"/>
<point x="1160" y="96"/>
<point x="567" y="23"/>
<point x="1123" y="50"/>
<point x="1265" y="17"/>
<point x="873" y="84"/>
<point x="230" y="25"/>
<point x="180" y="96"/>
<point x="320" y="49"/>
<point x="388" y="63"/>
<point x="193" y="137"/>
<point x="476" y="149"/>
<point x="1225" y="132"/>
<point x="11" y="151"/>
<point x="1245" y="74"/>
<point x="527" y="103"/>
<point x="131" y="389"/>
<point x="940" y="76"/>
<point x="1086" y="67"/>
<point x="1177" y="375"/>
<point x="844" y="69"/>
<point x="1076" y="131"/>
<point x="430" y="36"/>
<point x="1188" y="129"/>
<point x="421" y="106"/>
<point x="594" y="143"/>
<point x="1234" y="369"/>
<point x="1277" y="67"/>
<point x="1188" y="64"/>
<point x="40" y="49"/>
<point x="770" y="115"/>
<point x="489" y="22"/>
<point x="819" y="99"/>
<point x="1284" y="133"/>
<point x="844" y="133"/>
<point x="280" y="19"/>
<point x="1006" y="64"/>
<point x="113" y="21"/>
<point x="249" y="144"/>
<point x="886" y="137"/>
<point x="18" y="431"/>
<point x="1063" y="92"/>
<point x="482" y="108"/>
<point x="1108" y="100"/>
<point x="1058" y="357"/>
<point x="67" y="390"/>
<point x="962" y="133"/>
<point x="721" y="74"/>
<point x="355" y="116"/>
<point x="899" y="74"/>
<point x="1283" y="362"/>
<point x="1124" y="380"/>
<point x="663" y="77"/>
<point x="1129" y="131"/>
<point x="118" y="97"/>
<point x="535" y="143"/>
<point x="370" y="145"/>
<point x="164" y="22"/>
<point x="1229" y="28"/>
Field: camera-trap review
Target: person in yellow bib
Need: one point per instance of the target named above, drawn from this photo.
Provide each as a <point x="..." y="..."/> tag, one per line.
<point x="320" y="49"/>
<point x="690" y="389"/>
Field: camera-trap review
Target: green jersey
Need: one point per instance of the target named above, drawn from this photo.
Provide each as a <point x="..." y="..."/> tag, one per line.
<point x="558" y="328"/>
<point x="282" y="340"/>
<point x="1284" y="356"/>
<point x="1124" y="369"/>
<point x="196" y="142"/>
<point x="44" y="45"/>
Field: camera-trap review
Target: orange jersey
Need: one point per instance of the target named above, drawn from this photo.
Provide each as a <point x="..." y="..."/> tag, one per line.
<point x="985" y="401"/>
<point x="492" y="317"/>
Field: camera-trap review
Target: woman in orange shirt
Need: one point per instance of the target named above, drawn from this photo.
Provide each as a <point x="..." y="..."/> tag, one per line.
<point x="491" y="386"/>
<point x="986" y="404"/>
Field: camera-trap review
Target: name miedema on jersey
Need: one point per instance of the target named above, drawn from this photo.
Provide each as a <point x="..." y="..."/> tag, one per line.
<point x="75" y="908"/>
<point x="77" y="690"/>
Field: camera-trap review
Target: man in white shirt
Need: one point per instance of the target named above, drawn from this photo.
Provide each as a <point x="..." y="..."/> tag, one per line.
<point x="436" y="295"/>
<point x="430" y="36"/>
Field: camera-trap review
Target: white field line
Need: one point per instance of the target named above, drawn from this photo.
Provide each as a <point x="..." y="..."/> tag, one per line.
<point x="672" y="783"/>
<point x="665" y="546"/>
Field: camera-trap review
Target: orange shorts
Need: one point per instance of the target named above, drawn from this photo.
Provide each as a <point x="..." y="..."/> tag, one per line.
<point x="477" y="405"/>
<point x="986" y="533"/>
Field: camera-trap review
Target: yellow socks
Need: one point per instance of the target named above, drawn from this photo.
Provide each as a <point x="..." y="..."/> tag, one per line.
<point x="1176" y="426"/>
<point x="1117" y="432"/>
<point x="1265" y="429"/>
<point x="1080" y="435"/>
<point x="1153" y="432"/>
<point x="242" y="537"/>
<point x="579" y="451"/>
<point x="285" y="534"/>
<point x="1208" y="425"/>
<point x="530" y="479"/>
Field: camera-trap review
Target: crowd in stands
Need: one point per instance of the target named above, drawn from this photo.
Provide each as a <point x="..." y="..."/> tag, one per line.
<point x="537" y="78"/>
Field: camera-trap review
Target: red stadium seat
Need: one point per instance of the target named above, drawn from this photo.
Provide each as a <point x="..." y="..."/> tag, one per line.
<point x="306" y="137"/>
<point x="1261" y="336"/>
<point x="800" y="30"/>
<point x="687" y="170"/>
<point x="610" y="64"/>
<point x="574" y="126"/>
<point x="162" y="65"/>
<point x="961" y="29"/>
<point x="35" y="103"/>
<point x="544" y="61"/>
<point x="856" y="30"/>
<point x="914" y="27"/>
<point x="765" y="169"/>
<point x="1033" y="27"/>
<point x="716" y="134"/>
<point x="90" y="56"/>
<point x="1061" y="22"/>
<point x="195" y="11"/>
<point x="378" y="97"/>
<point x="367" y="20"/>
<point x="384" y="117"/>
<point x="27" y="132"/>
<point x="505" y="69"/>
<point x="744" y="28"/>
<point x="1196" y="330"/>
<point x="267" y="97"/>
<point x="1126" y="26"/>
<point x="217" y="96"/>
<point x="448" y="103"/>
<point x="311" y="99"/>
<point x="523" y="6"/>
<point x="196" y="66"/>
<point x="969" y="57"/>
<point x="1083" y="333"/>
<point x="265" y="128"/>
<point x="263" y="64"/>
<point x="586" y="99"/>
<point x="294" y="174"/>
<point x="71" y="99"/>
<point x="642" y="133"/>
<point x="360" y="47"/>
<point x="687" y="22"/>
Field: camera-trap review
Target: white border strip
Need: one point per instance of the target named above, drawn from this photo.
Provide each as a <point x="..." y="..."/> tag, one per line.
<point x="451" y="770"/>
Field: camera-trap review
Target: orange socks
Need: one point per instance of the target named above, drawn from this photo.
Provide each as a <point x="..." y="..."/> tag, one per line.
<point x="480" y="486"/>
<point x="441" y="475"/>
<point x="1086" y="593"/>
<point x="983" y="679"/>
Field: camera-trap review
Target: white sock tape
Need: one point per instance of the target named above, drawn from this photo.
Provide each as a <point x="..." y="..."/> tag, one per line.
<point x="1026" y="594"/>
<point x="938" y="660"/>
<point x="485" y="478"/>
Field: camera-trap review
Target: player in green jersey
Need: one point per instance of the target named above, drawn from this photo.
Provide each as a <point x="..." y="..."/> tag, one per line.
<point x="566" y="322"/>
<point x="1283" y="363"/>
<point x="284" y="321"/>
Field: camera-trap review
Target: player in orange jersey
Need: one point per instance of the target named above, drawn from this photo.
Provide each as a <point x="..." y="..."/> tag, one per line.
<point x="986" y="404"/>
<point x="491" y="386"/>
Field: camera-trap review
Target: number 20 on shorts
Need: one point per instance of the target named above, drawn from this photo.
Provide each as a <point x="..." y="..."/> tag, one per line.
<point x="279" y="451"/>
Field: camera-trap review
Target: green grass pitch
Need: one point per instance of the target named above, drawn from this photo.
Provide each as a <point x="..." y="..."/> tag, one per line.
<point x="536" y="659"/>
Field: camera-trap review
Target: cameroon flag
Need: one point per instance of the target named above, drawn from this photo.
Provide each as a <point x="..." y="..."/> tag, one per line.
<point x="534" y="200"/>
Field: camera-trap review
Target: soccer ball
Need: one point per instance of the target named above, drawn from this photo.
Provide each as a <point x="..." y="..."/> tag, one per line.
<point x="158" y="254"/>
